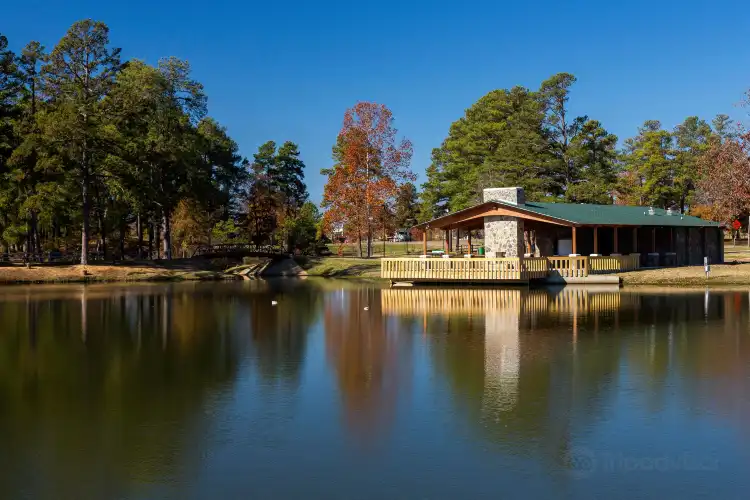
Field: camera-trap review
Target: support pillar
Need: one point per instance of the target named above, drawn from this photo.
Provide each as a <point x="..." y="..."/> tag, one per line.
<point x="635" y="240"/>
<point x="596" y="240"/>
<point x="615" y="242"/>
<point x="671" y="239"/>
<point x="424" y="242"/>
<point x="575" y="246"/>
<point x="468" y="240"/>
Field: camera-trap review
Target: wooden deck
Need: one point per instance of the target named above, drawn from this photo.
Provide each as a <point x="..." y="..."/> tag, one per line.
<point x="509" y="269"/>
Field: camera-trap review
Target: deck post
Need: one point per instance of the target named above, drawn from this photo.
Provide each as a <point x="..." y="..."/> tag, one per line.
<point x="445" y="240"/>
<point x="575" y="247"/>
<point x="635" y="240"/>
<point x="468" y="237"/>
<point x="615" y="242"/>
<point x="596" y="240"/>
<point x="653" y="240"/>
<point x="671" y="239"/>
<point x="424" y="242"/>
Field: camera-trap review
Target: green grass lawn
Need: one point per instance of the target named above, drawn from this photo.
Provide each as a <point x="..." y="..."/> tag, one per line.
<point x="400" y="249"/>
<point x="340" y="267"/>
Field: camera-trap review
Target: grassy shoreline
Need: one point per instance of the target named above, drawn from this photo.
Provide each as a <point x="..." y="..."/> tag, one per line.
<point x="731" y="274"/>
<point x="107" y="273"/>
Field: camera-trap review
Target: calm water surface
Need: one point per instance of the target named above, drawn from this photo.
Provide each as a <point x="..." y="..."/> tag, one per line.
<point x="208" y="391"/>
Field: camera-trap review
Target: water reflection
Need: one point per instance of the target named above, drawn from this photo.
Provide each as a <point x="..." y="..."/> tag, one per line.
<point x="368" y="357"/>
<point x="535" y="371"/>
<point x="174" y="391"/>
<point x="101" y="381"/>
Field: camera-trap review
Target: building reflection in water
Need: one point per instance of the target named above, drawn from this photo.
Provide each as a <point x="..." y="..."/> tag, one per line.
<point x="536" y="369"/>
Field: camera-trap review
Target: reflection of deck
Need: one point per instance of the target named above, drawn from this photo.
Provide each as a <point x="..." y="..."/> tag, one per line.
<point x="508" y="270"/>
<point x="413" y="301"/>
<point x="410" y="301"/>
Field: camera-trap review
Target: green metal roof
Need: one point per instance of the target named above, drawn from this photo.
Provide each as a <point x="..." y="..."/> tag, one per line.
<point x="611" y="215"/>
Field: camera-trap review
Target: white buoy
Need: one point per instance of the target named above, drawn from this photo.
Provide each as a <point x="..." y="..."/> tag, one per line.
<point x="367" y="308"/>
<point x="273" y="302"/>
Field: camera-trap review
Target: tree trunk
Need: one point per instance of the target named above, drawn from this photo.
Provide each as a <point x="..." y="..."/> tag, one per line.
<point x="123" y="229"/>
<point x="36" y="244"/>
<point x="167" y="237"/>
<point x="150" y="241"/>
<point x="103" y="232"/>
<point x="139" y="230"/>
<point x="359" y="244"/>
<point x="85" y="223"/>
<point x="157" y="242"/>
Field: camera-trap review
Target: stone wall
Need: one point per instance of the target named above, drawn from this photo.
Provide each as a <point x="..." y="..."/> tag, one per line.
<point x="513" y="195"/>
<point x="504" y="233"/>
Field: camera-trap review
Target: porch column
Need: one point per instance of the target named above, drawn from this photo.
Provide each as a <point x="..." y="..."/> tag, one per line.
<point x="615" y="242"/>
<point x="671" y="239"/>
<point x="445" y="240"/>
<point x="635" y="240"/>
<point x="653" y="240"/>
<point x="468" y="238"/>
<point x="424" y="242"/>
<point x="596" y="240"/>
<point x="575" y="246"/>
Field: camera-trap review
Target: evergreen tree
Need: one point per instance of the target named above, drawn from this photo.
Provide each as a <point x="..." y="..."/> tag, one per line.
<point x="649" y="168"/>
<point x="592" y="153"/>
<point x="692" y="138"/>
<point x="561" y="130"/>
<point x="79" y="74"/>
<point x="499" y="142"/>
<point x="406" y="208"/>
<point x="288" y="177"/>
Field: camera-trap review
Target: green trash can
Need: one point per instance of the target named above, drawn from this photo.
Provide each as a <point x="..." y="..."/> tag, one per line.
<point x="481" y="250"/>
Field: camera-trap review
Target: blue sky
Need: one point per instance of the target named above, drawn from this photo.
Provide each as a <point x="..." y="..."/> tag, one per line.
<point x="288" y="70"/>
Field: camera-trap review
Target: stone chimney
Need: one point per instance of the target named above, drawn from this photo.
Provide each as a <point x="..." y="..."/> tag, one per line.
<point x="513" y="195"/>
<point x="503" y="235"/>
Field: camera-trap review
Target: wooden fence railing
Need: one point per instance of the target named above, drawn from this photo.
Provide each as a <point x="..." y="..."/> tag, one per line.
<point x="453" y="269"/>
<point x="569" y="267"/>
<point x="614" y="263"/>
<point x="501" y="269"/>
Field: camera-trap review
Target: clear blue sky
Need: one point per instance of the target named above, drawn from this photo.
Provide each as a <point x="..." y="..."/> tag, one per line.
<point x="288" y="69"/>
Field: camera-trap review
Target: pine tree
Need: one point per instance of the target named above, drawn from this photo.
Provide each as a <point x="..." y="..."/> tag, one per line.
<point x="592" y="153"/>
<point x="406" y="208"/>
<point x="649" y="168"/>
<point x="499" y="142"/>
<point x="79" y="74"/>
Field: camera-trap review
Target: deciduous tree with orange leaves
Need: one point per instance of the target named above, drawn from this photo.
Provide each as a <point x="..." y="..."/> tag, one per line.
<point x="725" y="186"/>
<point x="370" y="165"/>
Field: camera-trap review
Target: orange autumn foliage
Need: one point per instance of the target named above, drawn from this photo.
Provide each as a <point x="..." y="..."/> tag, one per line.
<point x="371" y="164"/>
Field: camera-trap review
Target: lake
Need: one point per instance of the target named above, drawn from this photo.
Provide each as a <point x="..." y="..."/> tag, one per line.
<point x="344" y="390"/>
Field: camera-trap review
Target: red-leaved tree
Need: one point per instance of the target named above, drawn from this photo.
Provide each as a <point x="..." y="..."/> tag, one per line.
<point x="371" y="163"/>
<point x="725" y="184"/>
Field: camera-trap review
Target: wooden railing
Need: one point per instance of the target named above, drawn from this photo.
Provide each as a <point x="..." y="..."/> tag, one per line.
<point x="453" y="269"/>
<point x="614" y="263"/>
<point x="504" y="269"/>
<point x="569" y="267"/>
<point x="535" y="267"/>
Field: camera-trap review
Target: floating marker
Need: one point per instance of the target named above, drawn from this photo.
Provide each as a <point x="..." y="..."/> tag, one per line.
<point x="273" y="302"/>
<point x="367" y="308"/>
